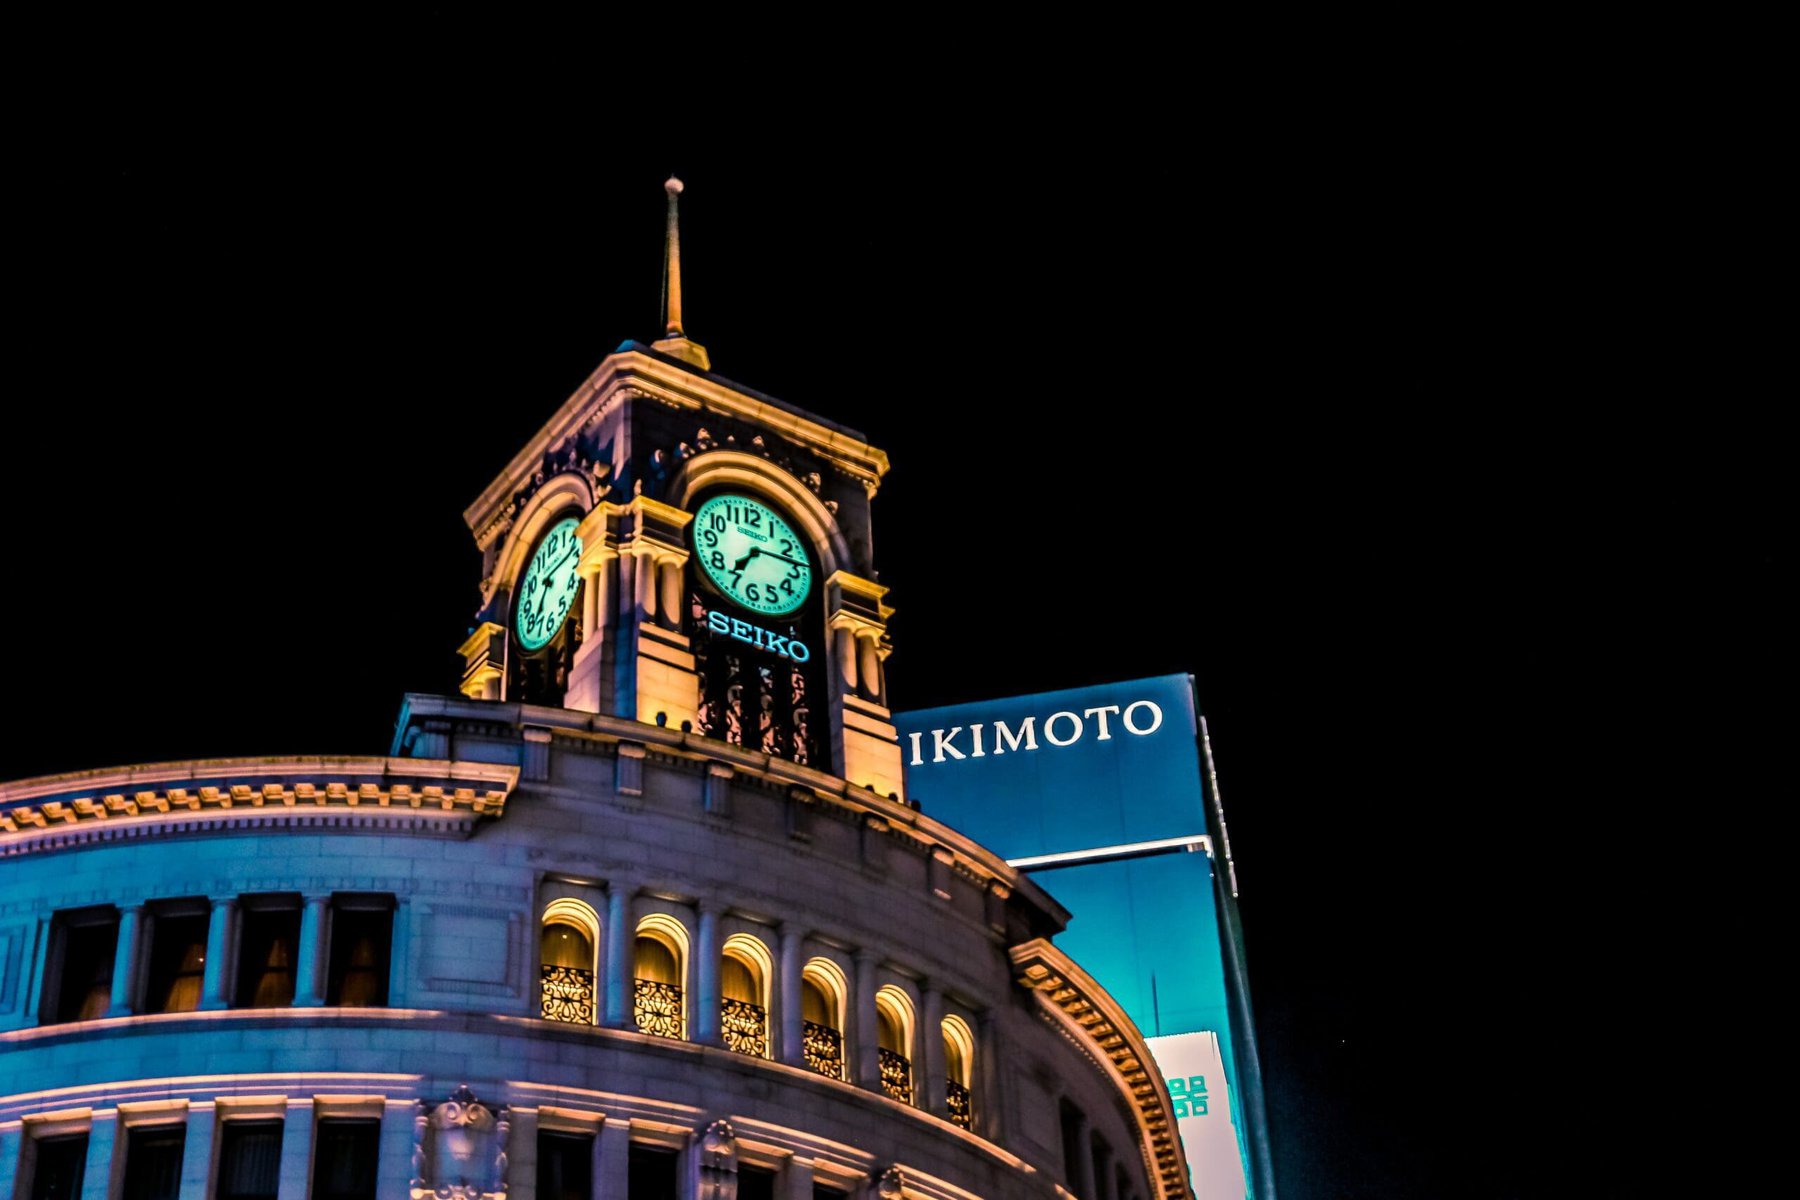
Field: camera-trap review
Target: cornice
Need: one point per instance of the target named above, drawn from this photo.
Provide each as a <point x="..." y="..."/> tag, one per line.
<point x="636" y="371"/>
<point x="1081" y="1006"/>
<point x="59" y="811"/>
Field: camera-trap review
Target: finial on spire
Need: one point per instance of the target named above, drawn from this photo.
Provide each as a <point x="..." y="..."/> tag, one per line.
<point x="672" y="263"/>
<point x="674" y="341"/>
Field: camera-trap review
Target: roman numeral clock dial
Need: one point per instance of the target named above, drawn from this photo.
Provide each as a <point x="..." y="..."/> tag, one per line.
<point x="752" y="555"/>
<point x="547" y="588"/>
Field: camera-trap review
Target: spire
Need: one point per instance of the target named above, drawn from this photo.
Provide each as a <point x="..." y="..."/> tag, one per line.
<point x="674" y="341"/>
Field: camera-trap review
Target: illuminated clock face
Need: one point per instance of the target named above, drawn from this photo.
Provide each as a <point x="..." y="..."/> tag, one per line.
<point x="752" y="555"/>
<point x="548" y="587"/>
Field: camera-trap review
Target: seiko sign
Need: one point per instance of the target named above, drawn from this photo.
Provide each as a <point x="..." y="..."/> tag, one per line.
<point x="1140" y="718"/>
<point x="757" y="636"/>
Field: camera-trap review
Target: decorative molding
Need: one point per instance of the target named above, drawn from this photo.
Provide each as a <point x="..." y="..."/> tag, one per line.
<point x="1072" y="999"/>
<point x="634" y="372"/>
<point x="440" y="797"/>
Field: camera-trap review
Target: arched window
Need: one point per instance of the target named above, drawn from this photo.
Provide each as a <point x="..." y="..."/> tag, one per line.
<point x="743" y="991"/>
<point x="822" y="991"/>
<point x="893" y="1036"/>
<point x="571" y="930"/>
<point x="661" y="964"/>
<point x="959" y="1067"/>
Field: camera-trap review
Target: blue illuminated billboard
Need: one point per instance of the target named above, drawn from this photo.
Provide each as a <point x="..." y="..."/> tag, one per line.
<point x="1100" y="793"/>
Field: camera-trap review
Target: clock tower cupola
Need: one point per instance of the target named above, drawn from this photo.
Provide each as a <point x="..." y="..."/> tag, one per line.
<point x="675" y="548"/>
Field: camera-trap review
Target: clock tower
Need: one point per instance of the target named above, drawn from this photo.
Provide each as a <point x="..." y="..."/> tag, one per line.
<point x="675" y="548"/>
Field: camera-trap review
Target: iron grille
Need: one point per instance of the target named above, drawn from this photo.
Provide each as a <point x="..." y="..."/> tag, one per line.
<point x="896" y="1075"/>
<point x="824" y="1048"/>
<point x="569" y="995"/>
<point x="658" y="1009"/>
<point x="957" y="1098"/>
<point x="746" y="1028"/>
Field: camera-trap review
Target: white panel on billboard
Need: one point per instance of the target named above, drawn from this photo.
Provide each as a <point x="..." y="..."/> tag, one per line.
<point x="1195" y="1070"/>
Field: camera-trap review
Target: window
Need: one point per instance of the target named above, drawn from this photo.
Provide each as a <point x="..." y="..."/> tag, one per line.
<point x="893" y="1037"/>
<point x="249" y="1160"/>
<point x="659" y="957"/>
<point x="754" y="1183"/>
<point x="566" y="967"/>
<point x="60" y="1164"/>
<point x="177" y="959"/>
<point x="362" y="934"/>
<point x="344" y="1158"/>
<point x="1071" y="1148"/>
<point x="268" y="948"/>
<point x="652" y="1173"/>
<point x="78" y="978"/>
<point x="1103" y="1160"/>
<point x="153" y="1162"/>
<point x="822" y="991"/>
<point x="565" y="1166"/>
<point x="743" y="977"/>
<point x="821" y="1192"/>
<point x="959" y="1061"/>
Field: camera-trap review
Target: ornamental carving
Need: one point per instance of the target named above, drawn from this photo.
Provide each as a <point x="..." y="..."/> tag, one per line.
<point x="459" y="1149"/>
<point x="891" y="1185"/>
<point x="718" y="1163"/>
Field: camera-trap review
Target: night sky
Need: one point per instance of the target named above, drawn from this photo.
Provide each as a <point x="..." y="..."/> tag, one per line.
<point x="1289" y="415"/>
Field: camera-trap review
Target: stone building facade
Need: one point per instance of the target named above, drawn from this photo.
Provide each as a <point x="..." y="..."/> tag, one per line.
<point x="642" y="912"/>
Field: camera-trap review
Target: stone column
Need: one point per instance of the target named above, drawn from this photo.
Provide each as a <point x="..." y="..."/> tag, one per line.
<point x="845" y="653"/>
<point x="612" y="1173"/>
<point x="296" y="1147"/>
<point x="621" y="946"/>
<point x="590" y="604"/>
<point x="792" y="1049"/>
<point x="797" y="1179"/>
<point x="986" y="1104"/>
<point x="868" y="667"/>
<point x="669" y="571"/>
<point x="931" y="1052"/>
<point x="216" y="981"/>
<point x="197" y="1150"/>
<point x="646" y="590"/>
<point x="627" y="588"/>
<point x="125" y="956"/>
<point x="104" y="1138"/>
<point x="865" y="1067"/>
<point x="707" y="965"/>
<point x="309" y="972"/>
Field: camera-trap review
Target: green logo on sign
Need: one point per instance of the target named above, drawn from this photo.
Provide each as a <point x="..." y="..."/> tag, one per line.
<point x="1189" y="1096"/>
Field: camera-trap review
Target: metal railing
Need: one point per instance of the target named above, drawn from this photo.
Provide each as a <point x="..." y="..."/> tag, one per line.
<point x="746" y="1027"/>
<point x="956" y="1098"/>
<point x="824" y="1049"/>
<point x="568" y="995"/>
<point x="896" y="1075"/>
<point x="658" y="1009"/>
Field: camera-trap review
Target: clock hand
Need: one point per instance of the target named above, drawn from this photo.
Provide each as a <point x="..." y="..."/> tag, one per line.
<point x="784" y="558"/>
<point x="742" y="562"/>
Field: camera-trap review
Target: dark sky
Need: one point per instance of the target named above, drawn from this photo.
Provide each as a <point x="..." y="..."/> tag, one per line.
<point x="1306" y="416"/>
